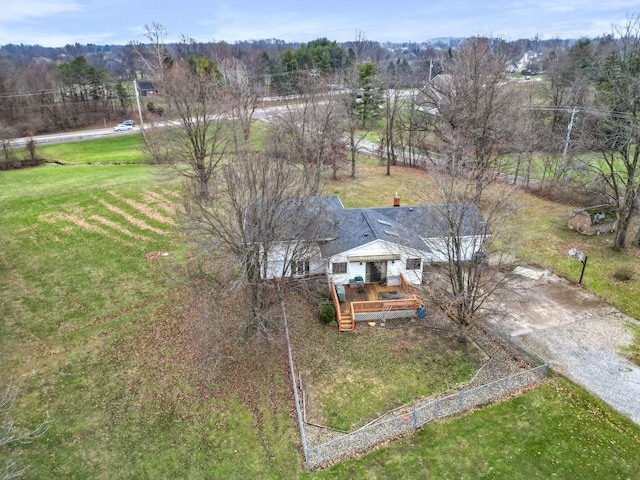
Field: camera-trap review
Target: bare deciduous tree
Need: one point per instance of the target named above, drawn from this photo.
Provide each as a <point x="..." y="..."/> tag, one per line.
<point x="475" y="110"/>
<point x="351" y="114"/>
<point x="310" y="132"/>
<point x="243" y="96"/>
<point x="394" y="103"/>
<point x="615" y="133"/>
<point x="260" y="209"/>
<point x="196" y="142"/>
<point x="6" y="134"/>
<point x="466" y="240"/>
<point x="154" y="56"/>
<point x="366" y="50"/>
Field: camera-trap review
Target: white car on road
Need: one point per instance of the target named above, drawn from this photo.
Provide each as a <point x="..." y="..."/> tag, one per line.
<point x="122" y="126"/>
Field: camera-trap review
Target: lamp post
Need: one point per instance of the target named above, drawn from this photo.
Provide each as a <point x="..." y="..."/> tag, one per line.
<point x="581" y="257"/>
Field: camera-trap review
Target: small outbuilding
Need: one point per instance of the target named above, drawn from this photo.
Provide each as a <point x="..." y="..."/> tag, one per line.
<point x="595" y="220"/>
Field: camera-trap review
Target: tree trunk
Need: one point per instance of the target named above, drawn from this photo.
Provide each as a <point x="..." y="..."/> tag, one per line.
<point x="353" y="155"/>
<point x="636" y="241"/>
<point x="624" y="220"/>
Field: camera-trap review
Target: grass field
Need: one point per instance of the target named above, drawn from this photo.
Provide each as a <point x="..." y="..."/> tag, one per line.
<point x="350" y="379"/>
<point x="121" y="149"/>
<point x="96" y="331"/>
<point x="89" y="336"/>
<point x="554" y="431"/>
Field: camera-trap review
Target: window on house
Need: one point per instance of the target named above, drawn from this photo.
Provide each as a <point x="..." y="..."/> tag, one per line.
<point x="300" y="267"/>
<point x="413" y="264"/>
<point x="339" y="267"/>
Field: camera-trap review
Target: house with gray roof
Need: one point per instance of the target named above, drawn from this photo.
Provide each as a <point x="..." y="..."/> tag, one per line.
<point x="381" y="244"/>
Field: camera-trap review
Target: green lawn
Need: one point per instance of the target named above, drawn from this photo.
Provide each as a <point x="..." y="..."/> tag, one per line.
<point x="554" y="431"/>
<point x="350" y="379"/>
<point x="96" y="331"/>
<point x="121" y="149"/>
<point x="89" y="336"/>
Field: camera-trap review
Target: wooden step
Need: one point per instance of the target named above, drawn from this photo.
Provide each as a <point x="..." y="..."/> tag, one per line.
<point x="345" y="324"/>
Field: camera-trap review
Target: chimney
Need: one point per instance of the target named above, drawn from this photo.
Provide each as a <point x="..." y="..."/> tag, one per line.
<point x="396" y="200"/>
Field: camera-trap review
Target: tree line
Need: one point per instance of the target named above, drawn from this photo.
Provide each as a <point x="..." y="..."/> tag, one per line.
<point x="45" y="89"/>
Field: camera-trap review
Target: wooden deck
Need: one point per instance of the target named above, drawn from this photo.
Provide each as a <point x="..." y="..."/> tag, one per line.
<point x="374" y="298"/>
<point x="371" y="293"/>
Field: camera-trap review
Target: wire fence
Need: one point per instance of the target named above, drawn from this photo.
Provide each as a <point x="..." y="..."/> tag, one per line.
<point x="413" y="417"/>
<point x="295" y="387"/>
<point x="330" y="446"/>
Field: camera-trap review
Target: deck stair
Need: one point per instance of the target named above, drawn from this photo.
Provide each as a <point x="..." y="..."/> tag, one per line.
<point x="346" y="321"/>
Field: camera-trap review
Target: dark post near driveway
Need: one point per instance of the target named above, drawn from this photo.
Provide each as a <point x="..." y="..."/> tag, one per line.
<point x="578" y="255"/>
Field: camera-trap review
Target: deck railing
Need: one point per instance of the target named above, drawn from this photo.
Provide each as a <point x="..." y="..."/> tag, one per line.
<point x="345" y="321"/>
<point x="364" y="310"/>
<point x="384" y="305"/>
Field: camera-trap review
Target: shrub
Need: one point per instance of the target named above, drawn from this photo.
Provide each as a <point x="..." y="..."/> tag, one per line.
<point x="321" y="296"/>
<point x="623" y="274"/>
<point x="327" y="312"/>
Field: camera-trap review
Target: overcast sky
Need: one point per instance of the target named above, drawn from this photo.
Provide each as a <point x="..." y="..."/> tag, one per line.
<point x="55" y="23"/>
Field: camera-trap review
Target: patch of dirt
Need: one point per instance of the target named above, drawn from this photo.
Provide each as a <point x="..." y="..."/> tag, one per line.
<point x="141" y="224"/>
<point x="77" y="218"/>
<point x="99" y="224"/>
<point x="145" y="209"/>
<point x="118" y="227"/>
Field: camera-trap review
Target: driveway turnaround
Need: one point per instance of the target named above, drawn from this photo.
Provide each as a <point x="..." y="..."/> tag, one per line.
<point x="579" y="333"/>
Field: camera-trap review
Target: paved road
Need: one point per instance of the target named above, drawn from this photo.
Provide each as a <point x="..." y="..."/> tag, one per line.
<point x="72" y="136"/>
<point x="579" y="333"/>
<point x="265" y="114"/>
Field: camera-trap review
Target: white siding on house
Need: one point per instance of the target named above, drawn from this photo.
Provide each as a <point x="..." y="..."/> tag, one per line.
<point x="470" y="245"/>
<point x="380" y="247"/>
<point x="279" y="257"/>
<point x="318" y="265"/>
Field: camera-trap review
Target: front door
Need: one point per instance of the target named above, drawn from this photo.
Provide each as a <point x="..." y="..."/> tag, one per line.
<point x="375" y="271"/>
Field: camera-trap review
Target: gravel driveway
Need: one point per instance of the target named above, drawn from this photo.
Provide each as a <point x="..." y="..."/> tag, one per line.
<point x="578" y="332"/>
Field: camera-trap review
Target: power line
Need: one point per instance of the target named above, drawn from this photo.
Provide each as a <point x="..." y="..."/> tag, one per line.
<point x="591" y="110"/>
<point x="55" y="91"/>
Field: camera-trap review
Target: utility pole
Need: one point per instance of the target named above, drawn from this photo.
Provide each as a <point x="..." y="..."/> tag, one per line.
<point x="135" y="88"/>
<point x="566" y="142"/>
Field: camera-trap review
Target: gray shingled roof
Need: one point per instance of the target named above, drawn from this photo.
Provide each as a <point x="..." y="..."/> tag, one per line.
<point x="404" y="225"/>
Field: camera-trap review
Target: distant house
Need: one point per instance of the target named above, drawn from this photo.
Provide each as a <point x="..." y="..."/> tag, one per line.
<point x="594" y="220"/>
<point x="146" y="88"/>
<point x="438" y="92"/>
<point x="511" y="67"/>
